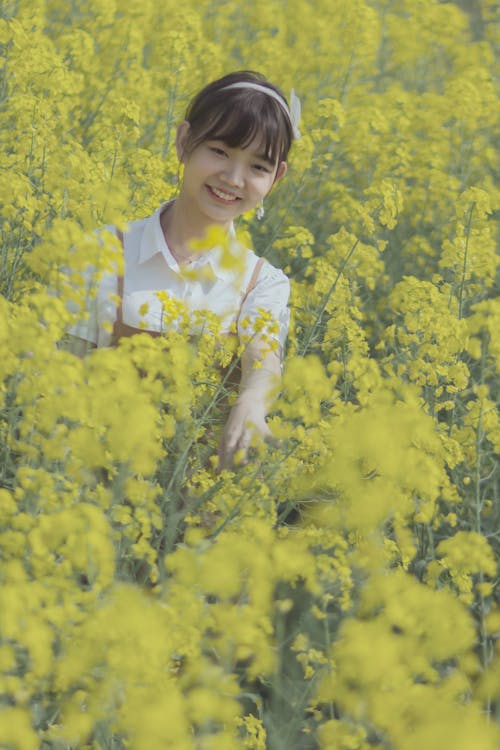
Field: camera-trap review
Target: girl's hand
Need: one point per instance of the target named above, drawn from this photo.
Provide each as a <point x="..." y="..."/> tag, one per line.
<point x="260" y="377"/>
<point x="247" y="421"/>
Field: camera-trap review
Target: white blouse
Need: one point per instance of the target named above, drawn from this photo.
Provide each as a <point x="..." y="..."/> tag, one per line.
<point x="204" y="284"/>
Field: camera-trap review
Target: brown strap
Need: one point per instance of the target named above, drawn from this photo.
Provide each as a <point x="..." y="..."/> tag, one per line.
<point x="253" y="280"/>
<point x="119" y="309"/>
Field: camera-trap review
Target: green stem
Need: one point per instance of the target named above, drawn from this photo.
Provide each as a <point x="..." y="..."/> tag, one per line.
<point x="198" y="423"/>
<point x="258" y="477"/>
<point x="464" y="267"/>
<point x="326" y="299"/>
<point x="460" y="301"/>
<point x="478" y="507"/>
<point x="328" y="643"/>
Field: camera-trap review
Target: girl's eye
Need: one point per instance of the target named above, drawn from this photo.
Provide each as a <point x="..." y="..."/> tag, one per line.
<point x="218" y="151"/>
<point x="262" y="168"/>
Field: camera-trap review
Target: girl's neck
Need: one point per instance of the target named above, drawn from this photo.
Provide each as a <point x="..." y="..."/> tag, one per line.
<point x="181" y="225"/>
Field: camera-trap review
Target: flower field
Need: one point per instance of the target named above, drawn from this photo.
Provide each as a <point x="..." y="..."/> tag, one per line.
<point x="340" y="591"/>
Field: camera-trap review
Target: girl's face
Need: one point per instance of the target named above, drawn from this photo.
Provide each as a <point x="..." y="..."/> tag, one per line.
<point x="224" y="182"/>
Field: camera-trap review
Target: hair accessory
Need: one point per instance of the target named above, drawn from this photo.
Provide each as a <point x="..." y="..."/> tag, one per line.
<point x="260" y="211"/>
<point x="293" y="113"/>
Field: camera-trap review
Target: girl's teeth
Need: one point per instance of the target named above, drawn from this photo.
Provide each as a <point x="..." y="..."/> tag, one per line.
<point x="224" y="196"/>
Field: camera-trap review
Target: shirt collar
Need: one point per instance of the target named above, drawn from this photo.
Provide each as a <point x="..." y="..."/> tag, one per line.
<point x="153" y="242"/>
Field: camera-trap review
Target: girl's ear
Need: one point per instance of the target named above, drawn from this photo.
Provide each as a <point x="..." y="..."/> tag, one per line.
<point x="281" y="171"/>
<point x="181" y="139"/>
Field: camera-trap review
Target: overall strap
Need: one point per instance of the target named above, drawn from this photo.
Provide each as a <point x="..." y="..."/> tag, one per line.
<point x="118" y="323"/>
<point x="121" y="329"/>
<point x="119" y="309"/>
<point x="253" y="280"/>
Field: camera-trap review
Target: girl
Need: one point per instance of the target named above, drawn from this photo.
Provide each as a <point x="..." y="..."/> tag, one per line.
<point x="233" y="145"/>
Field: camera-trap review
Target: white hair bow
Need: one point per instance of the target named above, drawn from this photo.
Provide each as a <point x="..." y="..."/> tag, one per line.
<point x="295" y="111"/>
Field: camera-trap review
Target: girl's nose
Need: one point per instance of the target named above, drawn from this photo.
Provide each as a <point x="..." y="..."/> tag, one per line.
<point x="234" y="174"/>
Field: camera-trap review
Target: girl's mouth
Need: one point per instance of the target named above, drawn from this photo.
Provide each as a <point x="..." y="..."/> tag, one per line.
<point x="222" y="196"/>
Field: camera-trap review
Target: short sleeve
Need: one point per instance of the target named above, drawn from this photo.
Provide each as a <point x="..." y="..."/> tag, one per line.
<point x="266" y="307"/>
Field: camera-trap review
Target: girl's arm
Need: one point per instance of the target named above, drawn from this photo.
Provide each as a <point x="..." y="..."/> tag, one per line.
<point x="260" y="373"/>
<point x="260" y="379"/>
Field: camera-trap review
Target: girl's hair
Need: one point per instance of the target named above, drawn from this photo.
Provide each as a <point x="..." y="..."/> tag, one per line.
<point x="237" y="116"/>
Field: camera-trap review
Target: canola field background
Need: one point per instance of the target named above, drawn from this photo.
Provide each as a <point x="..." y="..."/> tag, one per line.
<point x="340" y="591"/>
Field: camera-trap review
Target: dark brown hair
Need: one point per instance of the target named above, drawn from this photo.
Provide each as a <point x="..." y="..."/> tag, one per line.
<point x="237" y="116"/>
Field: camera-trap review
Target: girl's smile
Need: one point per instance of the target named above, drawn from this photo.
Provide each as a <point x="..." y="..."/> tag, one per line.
<point x="222" y="195"/>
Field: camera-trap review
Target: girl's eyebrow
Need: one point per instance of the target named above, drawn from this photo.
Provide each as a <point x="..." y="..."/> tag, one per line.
<point x="264" y="157"/>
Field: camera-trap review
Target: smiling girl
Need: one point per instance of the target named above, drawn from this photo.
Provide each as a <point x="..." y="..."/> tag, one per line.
<point x="233" y="145"/>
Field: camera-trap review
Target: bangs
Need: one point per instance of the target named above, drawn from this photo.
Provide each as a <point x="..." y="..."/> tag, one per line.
<point x="241" y="117"/>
